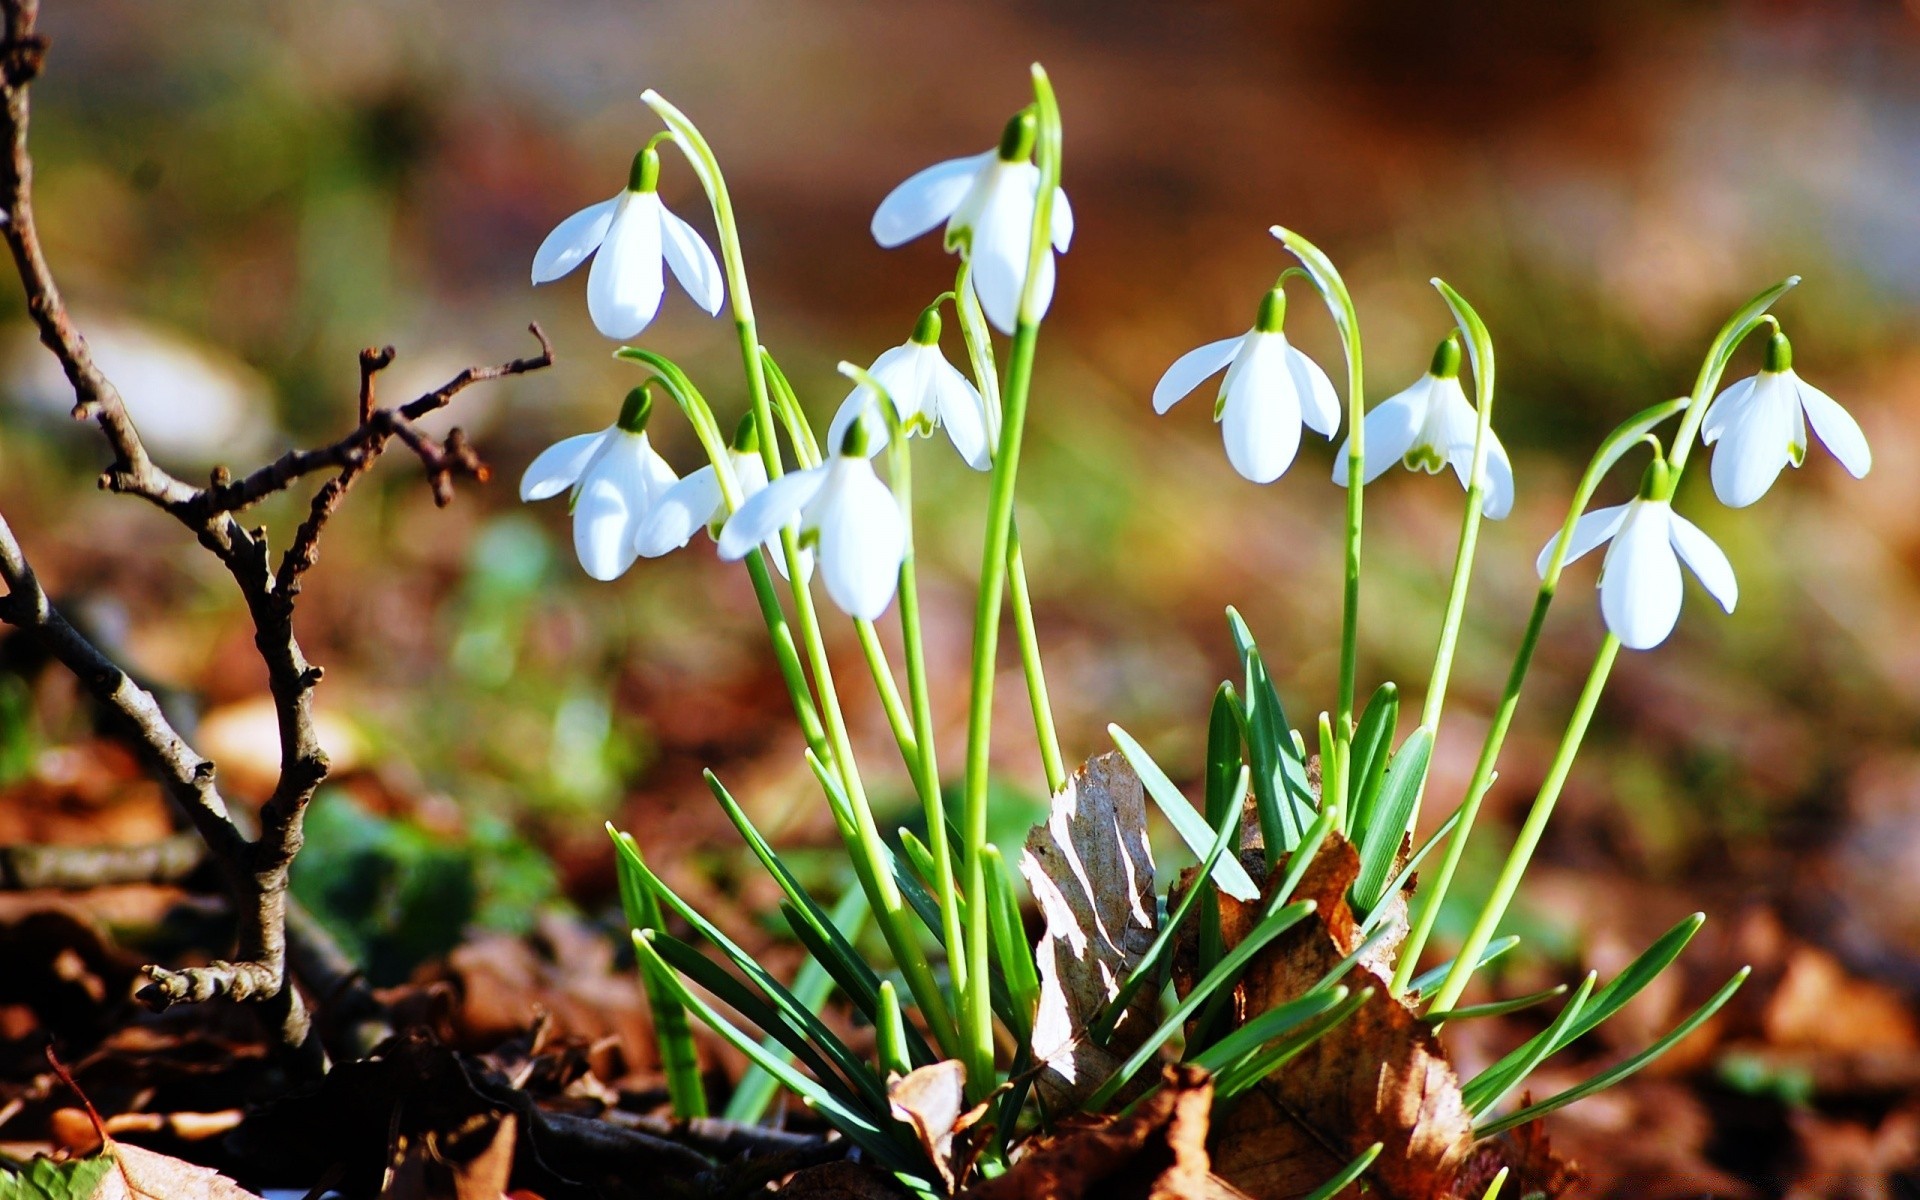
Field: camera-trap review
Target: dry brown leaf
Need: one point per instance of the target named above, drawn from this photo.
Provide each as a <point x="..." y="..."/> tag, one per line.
<point x="1092" y="876"/>
<point x="931" y="1100"/>
<point x="842" y="1181"/>
<point x="147" y="1175"/>
<point x="1159" y="1152"/>
<point x="1380" y="1076"/>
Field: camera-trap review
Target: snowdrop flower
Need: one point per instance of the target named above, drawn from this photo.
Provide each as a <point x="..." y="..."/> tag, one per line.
<point x="697" y="501"/>
<point x="1269" y="390"/>
<point x="987" y="201"/>
<point x="1429" y="426"/>
<point x="633" y="233"/>
<point x="846" y="511"/>
<point x="615" y="477"/>
<point x="926" y="391"/>
<point x="1640" y="578"/>
<point x="1761" y="425"/>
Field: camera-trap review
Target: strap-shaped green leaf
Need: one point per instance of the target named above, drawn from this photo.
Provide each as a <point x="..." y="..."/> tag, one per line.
<point x="1280" y="788"/>
<point x="1231" y="877"/>
<point x="1273" y="1023"/>
<point x="1352" y="1171"/>
<point x="1398" y="792"/>
<point x="755" y="1092"/>
<point x="1565" y="1021"/>
<point x="1011" y="948"/>
<point x="1428" y="979"/>
<point x="679" y="1057"/>
<point x="1249" y="1071"/>
<point x="1372" y="746"/>
<point x="1497" y="1008"/>
<point x="1608" y="1078"/>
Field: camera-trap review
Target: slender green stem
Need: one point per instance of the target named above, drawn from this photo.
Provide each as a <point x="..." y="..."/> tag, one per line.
<point x="977" y="1007"/>
<point x="898" y="719"/>
<point x="1535" y="825"/>
<point x="896" y="922"/>
<point x="926" y="767"/>
<point x="1029" y="640"/>
<point x="973" y="329"/>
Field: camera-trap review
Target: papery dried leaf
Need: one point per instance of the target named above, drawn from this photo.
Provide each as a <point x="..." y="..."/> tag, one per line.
<point x="843" y="1181"/>
<point x="931" y="1100"/>
<point x="1531" y="1165"/>
<point x="1156" y="1153"/>
<point x="147" y="1175"/>
<point x="1092" y="875"/>
<point x="1379" y="1076"/>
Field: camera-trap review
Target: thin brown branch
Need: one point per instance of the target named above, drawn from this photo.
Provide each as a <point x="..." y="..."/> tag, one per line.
<point x="76" y="868"/>
<point x="256" y="870"/>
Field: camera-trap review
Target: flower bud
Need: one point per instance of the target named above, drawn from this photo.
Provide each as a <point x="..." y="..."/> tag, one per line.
<point x="926" y="331"/>
<point x="635" y="409"/>
<point x="853" y="444"/>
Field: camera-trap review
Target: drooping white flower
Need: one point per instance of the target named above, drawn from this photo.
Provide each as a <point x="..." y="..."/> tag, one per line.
<point x="633" y="234"/>
<point x="1761" y="425"/>
<point x="987" y="201"/>
<point x="615" y="479"/>
<point x="1640" y="582"/>
<point x="1428" y="427"/>
<point x="926" y="391"/>
<point x="846" y="513"/>
<point x="1269" y="390"/>
<point x="697" y="500"/>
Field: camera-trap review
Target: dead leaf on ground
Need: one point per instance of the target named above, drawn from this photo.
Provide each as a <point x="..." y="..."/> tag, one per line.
<point x="1091" y="873"/>
<point x="1159" y="1152"/>
<point x="1380" y="1076"/>
<point x="931" y="1100"/>
<point x="147" y="1175"/>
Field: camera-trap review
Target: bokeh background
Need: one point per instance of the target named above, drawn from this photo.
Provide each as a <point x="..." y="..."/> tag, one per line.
<point x="238" y="197"/>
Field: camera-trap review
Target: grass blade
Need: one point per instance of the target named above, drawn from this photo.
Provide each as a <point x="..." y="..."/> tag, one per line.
<point x="1561" y="1024"/>
<point x="1407" y="869"/>
<point x="1608" y="1078"/>
<point x="1231" y="877"/>
<point x="1497" y="1008"/>
<point x="679" y="1057"/>
<point x="756" y="1090"/>
<point x="1229" y="968"/>
<point x="1280" y="787"/>
<point x="1352" y="1171"/>
<point x="1255" y="1067"/>
<point x="1273" y="1023"/>
<point x="1372" y="742"/>
<point x="1392" y="808"/>
<point x="1608" y="1001"/>
<point x="1011" y="948"/>
<point x="1495" y="949"/>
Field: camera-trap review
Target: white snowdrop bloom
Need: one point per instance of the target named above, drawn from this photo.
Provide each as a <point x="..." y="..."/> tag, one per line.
<point x="633" y="234"/>
<point x="1269" y="390"/>
<point x="1428" y="427"/>
<point x="1640" y="579"/>
<point x="697" y="501"/>
<point x="615" y="479"/>
<point x="926" y="391"/>
<point x="845" y="513"/>
<point x="1761" y="425"/>
<point x="987" y="201"/>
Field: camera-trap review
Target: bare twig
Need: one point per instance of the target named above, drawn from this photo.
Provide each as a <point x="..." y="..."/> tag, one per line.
<point x="73" y="868"/>
<point x="256" y="869"/>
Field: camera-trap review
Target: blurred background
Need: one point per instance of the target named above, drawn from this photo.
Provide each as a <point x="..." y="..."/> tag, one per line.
<point x="237" y="197"/>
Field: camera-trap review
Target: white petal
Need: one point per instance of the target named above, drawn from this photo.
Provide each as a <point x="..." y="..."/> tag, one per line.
<point x="1319" y="406"/>
<point x="1062" y="227"/>
<point x="624" y="286"/>
<point x="678" y="514"/>
<point x="902" y="372"/>
<point x="1000" y="238"/>
<point x="1725" y="408"/>
<point x="963" y="414"/>
<point x="1261" y="421"/>
<point x="1708" y="561"/>
<point x="1589" y="531"/>
<point x="572" y="240"/>
<point x="1756" y="442"/>
<point x="611" y="504"/>
<point x="862" y="540"/>
<point x="1499" y="468"/>
<point x="560" y="465"/>
<point x="692" y="262"/>
<point x="1640" y="583"/>
<point x="657" y="474"/>
<point x="925" y="199"/>
<point x="1390" y="430"/>
<point x="1191" y="369"/>
<point x="766" y="512"/>
<point x="860" y="402"/>
<point x="1837" y="429"/>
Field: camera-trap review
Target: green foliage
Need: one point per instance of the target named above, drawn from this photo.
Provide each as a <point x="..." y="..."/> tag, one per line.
<point x="45" y="1179"/>
<point x="397" y="892"/>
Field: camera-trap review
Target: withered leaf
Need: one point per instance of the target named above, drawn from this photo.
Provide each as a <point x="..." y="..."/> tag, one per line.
<point x="148" y="1175"/>
<point x="1092" y="875"/>
<point x="931" y="1100"/>
<point x="1380" y="1076"/>
<point x="1158" y="1152"/>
